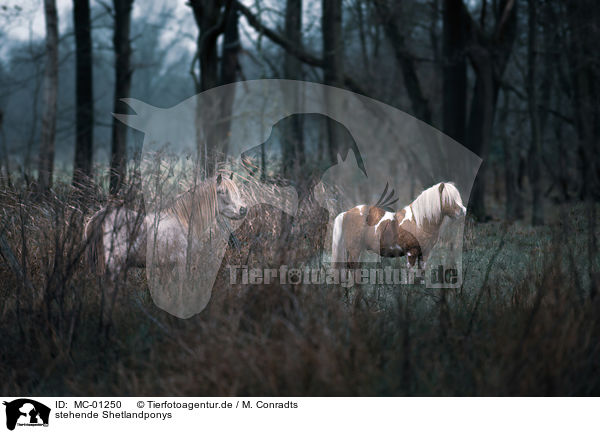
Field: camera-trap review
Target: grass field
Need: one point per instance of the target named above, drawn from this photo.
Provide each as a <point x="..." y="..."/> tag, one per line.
<point x="526" y="321"/>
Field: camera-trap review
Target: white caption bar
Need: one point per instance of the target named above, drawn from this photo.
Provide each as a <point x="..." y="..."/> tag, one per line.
<point x="155" y="414"/>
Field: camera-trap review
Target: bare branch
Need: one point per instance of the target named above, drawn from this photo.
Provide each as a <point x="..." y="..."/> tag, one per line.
<point x="298" y="52"/>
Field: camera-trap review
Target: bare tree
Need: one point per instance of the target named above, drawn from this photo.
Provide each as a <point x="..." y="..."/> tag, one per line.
<point x="536" y="139"/>
<point x="4" y="150"/>
<point x="489" y="54"/>
<point x="48" y="133"/>
<point x="389" y="15"/>
<point x="454" y="71"/>
<point x="230" y="65"/>
<point x="123" y="72"/>
<point x="211" y="19"/>
<point x="230" y="68"/>
<point x="584" y="33"/>
<point x="293" y="146"/>
<point x="333" y="55"/>
<point x="300" y="52"/>
<point x="82" y="169"/>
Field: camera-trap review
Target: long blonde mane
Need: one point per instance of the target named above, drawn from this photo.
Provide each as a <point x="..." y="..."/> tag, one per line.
<point x="199" y="205"/>
<point x="428" y="206"/>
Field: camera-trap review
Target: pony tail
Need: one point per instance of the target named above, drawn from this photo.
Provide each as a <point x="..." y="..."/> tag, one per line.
<point x="338" y="244"/>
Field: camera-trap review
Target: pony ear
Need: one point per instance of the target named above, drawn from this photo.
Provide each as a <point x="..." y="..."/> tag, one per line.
<point x="231" y="176"/>
<point x="219" y="179"/>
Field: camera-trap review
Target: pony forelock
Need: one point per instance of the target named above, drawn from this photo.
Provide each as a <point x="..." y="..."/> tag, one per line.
<point x="232" y="188"/>
<point x="450" y="194"/>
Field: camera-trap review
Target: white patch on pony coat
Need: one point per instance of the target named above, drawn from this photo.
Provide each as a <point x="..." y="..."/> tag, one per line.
<point x="361" y="209"/>
<point x="169" y="235"/>
<point x="338" y="247"/>
<point x="389" y="216"/>
<point x="116" y="238"/>
<point x="408" y="215"/>
<point x="428" y="206"/>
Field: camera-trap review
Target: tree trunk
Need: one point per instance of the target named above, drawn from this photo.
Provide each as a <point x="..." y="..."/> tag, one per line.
<point x="513" y="196"/>
<point x="489" y="57"/>
<point x="583" y="18"/>
<point x="230" y="67"/>
<point x="231" y="47"/>
<point x="333" y="73"/>
<point x="4" y="179"/>
<point x="454" y="71"/>
<point x="536" y="142"/>
<point x="293" y="143"/>
<point x="479" y="132"/>
<point x="48" y="135"/>
<point x="82" y="169"/>
<point x="211" y="20"/>
<point x="390" y="18"/>
<point x="123" y="71"/>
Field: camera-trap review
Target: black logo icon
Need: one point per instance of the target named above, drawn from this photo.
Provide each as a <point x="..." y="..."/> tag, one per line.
<point x="26" y="412"/>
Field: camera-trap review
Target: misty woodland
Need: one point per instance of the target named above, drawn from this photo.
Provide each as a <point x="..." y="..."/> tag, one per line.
<point x="91" y="223"/>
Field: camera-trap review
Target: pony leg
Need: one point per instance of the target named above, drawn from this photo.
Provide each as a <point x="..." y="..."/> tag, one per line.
<point x="422" y="262"/>
<point x="338" y="245"/>
<point x="415" y="265"/>
<point x="411" y="259"/>
<point x="353" y="258"/>
<point x="352" y="265"/>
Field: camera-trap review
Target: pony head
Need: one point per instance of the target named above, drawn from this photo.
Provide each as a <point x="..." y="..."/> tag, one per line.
<point x="201" y="204"/>
<point x="452" y="205"/>
<point x="440" y="200"/>
<point x="229" y="200"/>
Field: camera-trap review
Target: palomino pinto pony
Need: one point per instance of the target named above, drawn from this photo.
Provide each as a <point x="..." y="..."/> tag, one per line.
<point x="118" y="236"/>
<point x="411" y="231"/>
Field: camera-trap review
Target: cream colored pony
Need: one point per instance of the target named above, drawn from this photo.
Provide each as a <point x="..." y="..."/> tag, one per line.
<point x="118" y="237"/>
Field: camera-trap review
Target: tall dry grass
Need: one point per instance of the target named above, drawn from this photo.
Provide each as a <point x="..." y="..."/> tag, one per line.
<point x="526" y="321"/>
